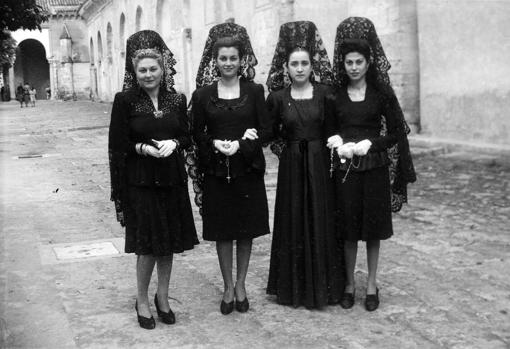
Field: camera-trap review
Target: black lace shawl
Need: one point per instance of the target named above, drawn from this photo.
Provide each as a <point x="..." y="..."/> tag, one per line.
<point x="401" y="166"/>
<point x="206" y="75"/>
<point x="303" y="34"/>
<point x="148" y="39"/>
<point x="293" y="34"/>
<point x="118" y="138"/>
<point x="207" y="71"/>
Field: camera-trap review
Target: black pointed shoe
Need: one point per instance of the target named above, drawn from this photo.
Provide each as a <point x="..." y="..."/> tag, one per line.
<point x="145" y="322"/>
<point x="226" y="308"/>
<point x="167" y="318"/>
<point x="372" y="301"/>
<point x="243" y="306"/>
<point x="347" y="300"/>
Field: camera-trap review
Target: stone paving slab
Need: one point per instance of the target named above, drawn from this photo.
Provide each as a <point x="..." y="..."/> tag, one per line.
<point x="443" y="276"/>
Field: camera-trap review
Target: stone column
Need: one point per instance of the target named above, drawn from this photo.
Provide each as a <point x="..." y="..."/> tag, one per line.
<point x="93" y="83"/>
<point x="410" y="64"/>
<point x="186" y="45"/>
<point x="11" y="82"/>
<point x="286" y="11"/>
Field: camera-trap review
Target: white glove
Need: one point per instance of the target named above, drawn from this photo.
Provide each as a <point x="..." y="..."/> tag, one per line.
<point x="232" y="148"/>
<point x="250" y="134"/>
<point x="361" y="148"/>
<point x="220" y="145"/>
<point x="151" y="151"/>
<point x="334" y="142"/>
<point x="226" y="147"/>
<point x="345" y="151"/>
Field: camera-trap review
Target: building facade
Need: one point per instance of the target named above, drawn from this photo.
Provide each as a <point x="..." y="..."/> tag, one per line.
<point x="57" y="56"/>
<point x="448" y="57"/>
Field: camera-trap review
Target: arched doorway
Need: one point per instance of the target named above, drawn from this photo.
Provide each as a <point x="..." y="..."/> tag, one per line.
<point x="31" y="66"/>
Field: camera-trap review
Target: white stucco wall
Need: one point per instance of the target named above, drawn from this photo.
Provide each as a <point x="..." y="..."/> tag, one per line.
<point x="464" y="69"/>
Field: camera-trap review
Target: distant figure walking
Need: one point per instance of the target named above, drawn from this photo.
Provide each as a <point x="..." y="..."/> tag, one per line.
<point x="32" y="93"/>
<point x="26" y="94"/>
<point x="48" y="92"/>
<point x="19" y="95"/>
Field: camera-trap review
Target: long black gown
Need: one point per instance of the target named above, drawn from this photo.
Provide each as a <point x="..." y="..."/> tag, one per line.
<point x="306" y="265"/>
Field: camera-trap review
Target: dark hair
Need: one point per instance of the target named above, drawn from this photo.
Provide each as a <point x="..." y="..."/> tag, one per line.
<point x="291" y="50"/>
<point x="355" y="45"/>
<point x="362" y="47"/>
<point x="228" y="41"/>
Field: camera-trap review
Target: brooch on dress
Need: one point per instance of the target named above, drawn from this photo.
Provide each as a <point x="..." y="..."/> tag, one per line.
<point x="158" y="114"/>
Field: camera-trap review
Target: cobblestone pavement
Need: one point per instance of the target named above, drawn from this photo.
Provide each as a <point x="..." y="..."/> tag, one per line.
<point x="443" y="276"/>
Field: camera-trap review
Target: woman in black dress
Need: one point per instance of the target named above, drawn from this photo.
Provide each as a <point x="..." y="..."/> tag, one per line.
<point x="306" y="257"/>
<point x="148" y="131"/>
<point x="225" y="112"/>
<point x="373" y="130"/>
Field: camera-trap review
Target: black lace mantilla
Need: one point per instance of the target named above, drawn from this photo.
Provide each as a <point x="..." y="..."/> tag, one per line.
<point x="401" y="166"/>
<point x="207" y="71"/>
<point x="306" y="35"/>
<point x="148" y="39"/>
<point x="360" y="28"/>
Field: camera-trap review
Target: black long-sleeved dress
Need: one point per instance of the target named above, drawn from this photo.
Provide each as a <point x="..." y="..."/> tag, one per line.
<point x="363" y="193"/>
<point x="151" y="194"/>
<point x="234" y="198"/>
<point x="306" y="266"/>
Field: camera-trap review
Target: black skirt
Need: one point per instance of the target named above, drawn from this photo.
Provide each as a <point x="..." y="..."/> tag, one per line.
<point x="364" y="205"/>
<point x="236" y="210"/>
<point x="306" y="266"/>
<point x="160" y="222"/>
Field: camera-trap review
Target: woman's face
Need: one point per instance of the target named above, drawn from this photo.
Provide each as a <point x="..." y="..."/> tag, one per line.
<point x="299" y="66"/>
<point x="356" y="66"/>
<point x="148" y="73"/>
<point x="228" y="61"/>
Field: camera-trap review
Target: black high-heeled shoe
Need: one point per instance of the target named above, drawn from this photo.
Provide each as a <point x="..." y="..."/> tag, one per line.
<point x="167" y="318"/>
<point x="243" y="306"/>
<point x="372" y="301"/>
<point x="226" y="308"/>
<point x="347" y="300"/>
<point x="145" y="322"/>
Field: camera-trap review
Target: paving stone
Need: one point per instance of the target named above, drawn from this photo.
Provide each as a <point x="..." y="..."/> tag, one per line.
<point x="443" y="275"/>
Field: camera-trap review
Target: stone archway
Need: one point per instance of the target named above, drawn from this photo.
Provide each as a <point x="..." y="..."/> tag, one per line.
<point x="31" y="66"/>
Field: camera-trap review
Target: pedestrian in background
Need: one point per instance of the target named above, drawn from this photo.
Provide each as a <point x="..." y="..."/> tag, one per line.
<point x="19" y="95"/>
<point x="374" y="163"/>
<point x="225" y="110"/>
<point x="148" y="132"/>
<point x="306" y="266"/>
<point x="26" y="94"/>
<point x="32" y="93"/>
